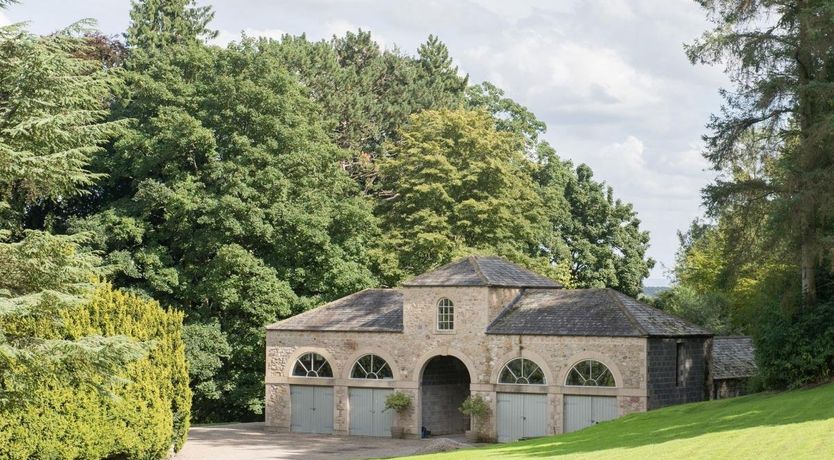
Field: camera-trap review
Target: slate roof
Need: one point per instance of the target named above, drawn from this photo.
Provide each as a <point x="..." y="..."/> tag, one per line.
<point x="482" y="271"/>
<point x="733" y="357"/>
<point x="372" y="310"/>
<point x="587" y="312"/>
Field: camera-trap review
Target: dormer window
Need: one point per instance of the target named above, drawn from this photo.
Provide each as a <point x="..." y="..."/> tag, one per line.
<point x="445" y="315"/>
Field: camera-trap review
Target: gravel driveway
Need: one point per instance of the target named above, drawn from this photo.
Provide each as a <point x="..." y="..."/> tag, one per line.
<point x="249" y="441"/>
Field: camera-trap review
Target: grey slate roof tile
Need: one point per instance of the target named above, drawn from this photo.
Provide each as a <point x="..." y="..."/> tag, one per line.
<point x="657" y="322"/>
<point x="482" y="271"/>
<point x="588" y="312"/>
<point x="733" y="357"/>
<point x="564" y="312"/>
<point x="372" y="310"/>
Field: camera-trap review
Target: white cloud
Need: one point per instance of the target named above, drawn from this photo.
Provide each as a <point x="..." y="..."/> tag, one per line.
<point x="4" y="20"/>
<point x="570" y="76"/>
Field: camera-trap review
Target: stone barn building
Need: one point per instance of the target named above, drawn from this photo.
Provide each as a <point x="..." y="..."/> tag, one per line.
<point x="546" y="359"/>
<point x="733" y="365"/>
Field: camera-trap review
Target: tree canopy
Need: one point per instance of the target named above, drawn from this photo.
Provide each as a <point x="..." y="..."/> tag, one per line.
<point x="246" y="183"/>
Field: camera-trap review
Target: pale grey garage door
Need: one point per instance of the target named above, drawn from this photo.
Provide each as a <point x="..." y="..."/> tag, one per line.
<point x="312" y="409"/>
<point x="584" y="411"/>
<point x="368" y="416"/>
<point x="521" y="416"/>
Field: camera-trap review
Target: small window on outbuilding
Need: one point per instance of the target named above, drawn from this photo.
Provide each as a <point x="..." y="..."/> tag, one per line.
<point x="680" y="364"/>
<point x="312" y="365"/>
<point x="445" y="315"/>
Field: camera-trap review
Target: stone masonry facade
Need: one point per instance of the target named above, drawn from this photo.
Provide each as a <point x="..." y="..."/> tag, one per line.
<point x="483" y="354"/>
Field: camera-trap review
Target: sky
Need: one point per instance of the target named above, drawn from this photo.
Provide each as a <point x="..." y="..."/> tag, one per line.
<point x="609" y="77"/>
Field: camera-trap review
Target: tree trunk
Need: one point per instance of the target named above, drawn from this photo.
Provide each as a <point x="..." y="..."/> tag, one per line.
<point x="808" y="267"/>
<point x="806" y="163"/>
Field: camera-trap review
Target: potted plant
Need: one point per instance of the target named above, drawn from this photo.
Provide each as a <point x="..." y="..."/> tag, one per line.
<point x="478" y="409"/>
<point x="399" y="402"/>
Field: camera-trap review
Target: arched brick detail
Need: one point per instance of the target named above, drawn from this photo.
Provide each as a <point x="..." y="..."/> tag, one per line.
<point x="576" y="359"/>
<point x="298" y="352"/>
<point x="351" y="360"/>
<point x="526" y="354"/>
<point x="428" y="355"/>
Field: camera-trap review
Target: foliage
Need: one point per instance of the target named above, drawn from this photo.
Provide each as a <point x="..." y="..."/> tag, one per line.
<point x="795" y="349"/>
<point x="794" y="424"/>
<point x="244" y="183"/>
<point x="707" y="310"/>
<point x="476" y="406"/>
<point x="455" y="183"/>
<point x="398" y="401"/>
<point x="141" y="411"/>
<point x="773" y="141"/>
<point x="158" y="24"/>
<point x="599" y="237"/>
<point x="51" y="123"/>
<point x="226" y="199"/>
<point x="385" y="88"/>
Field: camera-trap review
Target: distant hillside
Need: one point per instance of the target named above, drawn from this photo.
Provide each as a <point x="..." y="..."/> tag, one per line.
<point x="790" y="425"/>
<point x="653" y="291"/>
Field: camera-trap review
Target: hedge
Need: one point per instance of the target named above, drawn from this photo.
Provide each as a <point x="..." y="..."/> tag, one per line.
<point x="143" y="415"/>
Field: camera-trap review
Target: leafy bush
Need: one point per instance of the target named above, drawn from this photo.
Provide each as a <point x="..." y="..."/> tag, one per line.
<point x="398" y="401"/>
<point x="142" y="412"/>
<point x="477" y="407"/>
<point x="796" y="349"/>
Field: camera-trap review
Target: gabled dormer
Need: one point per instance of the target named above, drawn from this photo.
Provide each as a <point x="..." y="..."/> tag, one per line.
<point x="466" y="295"/>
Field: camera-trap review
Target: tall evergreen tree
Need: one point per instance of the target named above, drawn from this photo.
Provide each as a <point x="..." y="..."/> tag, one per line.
<point x="780" y="56"/>
<point x="52" y="123"/>
<point x="157" y="24"/>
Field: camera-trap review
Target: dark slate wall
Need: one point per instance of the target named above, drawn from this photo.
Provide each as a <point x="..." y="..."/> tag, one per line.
<point x="662" y="371"/>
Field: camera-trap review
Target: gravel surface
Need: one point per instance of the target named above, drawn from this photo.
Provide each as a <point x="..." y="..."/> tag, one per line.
<point x="249" y="441"/>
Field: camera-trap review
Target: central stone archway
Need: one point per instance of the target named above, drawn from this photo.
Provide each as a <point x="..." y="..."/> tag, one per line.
<point x="444" y="385"/>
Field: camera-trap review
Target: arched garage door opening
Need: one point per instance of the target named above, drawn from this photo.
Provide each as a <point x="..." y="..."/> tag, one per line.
<point x="444" y="386"/>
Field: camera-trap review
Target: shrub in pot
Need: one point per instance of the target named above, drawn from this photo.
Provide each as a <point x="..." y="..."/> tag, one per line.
<point x="478" y="409"/>
<point x="399" y="402"/>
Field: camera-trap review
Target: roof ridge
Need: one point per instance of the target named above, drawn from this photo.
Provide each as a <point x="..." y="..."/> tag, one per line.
<point x="625" y="310"/>
<point x="507" y="307"/>
<point x="473" y="261"/>
<point x="327" y="304"/>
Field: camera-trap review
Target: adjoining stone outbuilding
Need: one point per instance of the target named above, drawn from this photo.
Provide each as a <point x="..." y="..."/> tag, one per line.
<point x="548" y="360"/>
<point x="733" y="365"/>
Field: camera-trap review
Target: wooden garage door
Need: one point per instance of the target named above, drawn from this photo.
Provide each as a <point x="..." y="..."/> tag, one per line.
<point x="312" y="409"/>
<point x="584" y="411"/>
<point x="521" y="416"/>
<point x="368" y="416"/>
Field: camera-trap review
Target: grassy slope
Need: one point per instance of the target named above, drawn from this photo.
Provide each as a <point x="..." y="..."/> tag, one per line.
<point x="791" y="425"/>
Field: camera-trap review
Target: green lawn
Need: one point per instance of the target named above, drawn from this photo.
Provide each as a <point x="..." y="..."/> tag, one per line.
<point x="792" y="425"/>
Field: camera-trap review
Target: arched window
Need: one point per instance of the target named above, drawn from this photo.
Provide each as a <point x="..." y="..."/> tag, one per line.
<point x="522" y="371"/>
<point x="445" y="315"/>
<point x="371" y="367"/>
<point x="590" y="373"/>
<point x="312" y="365"/>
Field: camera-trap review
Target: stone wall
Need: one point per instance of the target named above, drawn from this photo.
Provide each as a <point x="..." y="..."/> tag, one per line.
<point x="483" y="355"/>
<point x="730" y="388"/>
<point x="664" y="386"/>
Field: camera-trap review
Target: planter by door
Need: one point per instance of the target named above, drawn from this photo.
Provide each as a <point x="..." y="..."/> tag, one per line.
<point x="312" y="409"/>
<point x="368" y="416"/>
<point x="584" y="411"/>
<point x="521" y="416"/>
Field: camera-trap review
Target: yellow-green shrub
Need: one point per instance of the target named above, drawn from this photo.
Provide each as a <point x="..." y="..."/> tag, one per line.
<point x="144" y="415"/>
